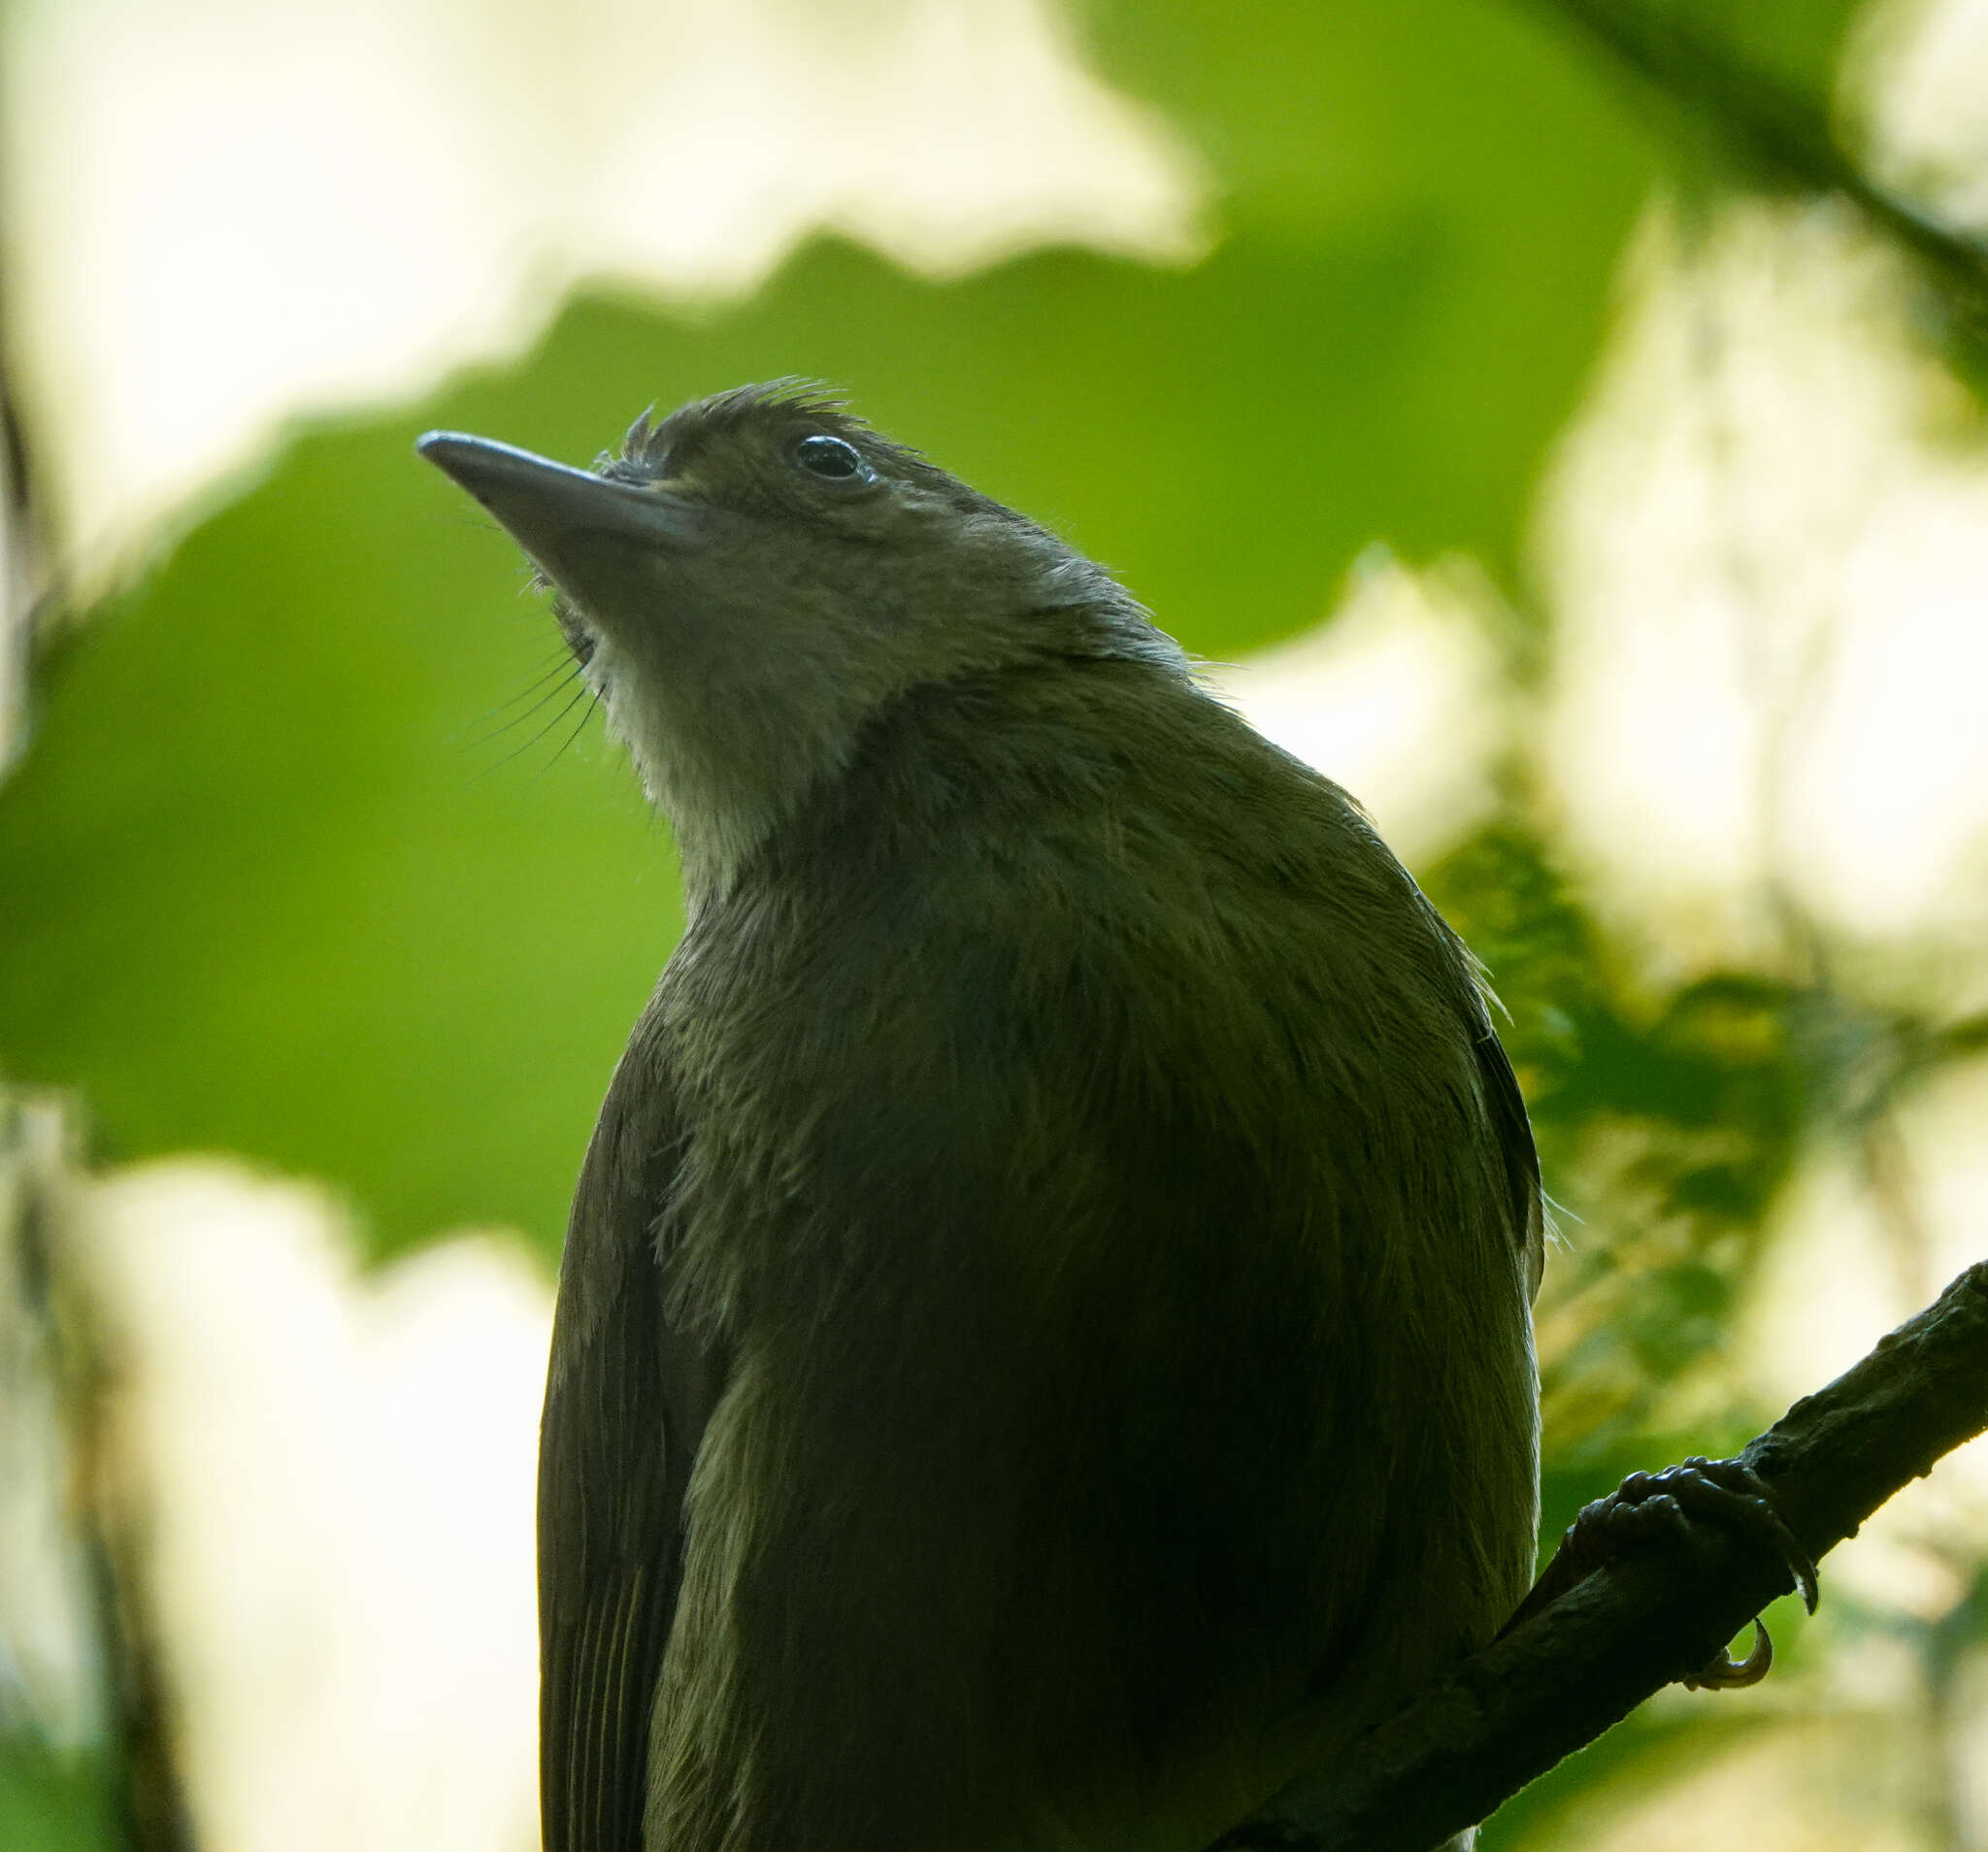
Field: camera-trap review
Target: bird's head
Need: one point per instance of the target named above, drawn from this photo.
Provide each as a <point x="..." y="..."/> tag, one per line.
<point x="755" y="578"/>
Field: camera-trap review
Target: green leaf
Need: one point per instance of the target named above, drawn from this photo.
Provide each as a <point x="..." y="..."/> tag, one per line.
<point x="264" y="894"/>
<point x="51" y="1802"/>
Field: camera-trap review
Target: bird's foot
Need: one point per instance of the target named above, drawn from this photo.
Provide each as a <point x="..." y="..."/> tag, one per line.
<point x="1647" y="1505"/>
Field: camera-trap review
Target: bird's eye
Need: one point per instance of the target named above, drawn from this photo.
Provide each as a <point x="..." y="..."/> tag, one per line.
<point x="820" y="454"/>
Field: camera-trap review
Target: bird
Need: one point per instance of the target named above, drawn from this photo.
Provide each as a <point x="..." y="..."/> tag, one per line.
<point x="1042" y="1353"/>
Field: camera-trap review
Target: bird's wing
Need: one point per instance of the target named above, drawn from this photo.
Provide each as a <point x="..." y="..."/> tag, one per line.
<point x="626" y="1402"/>
<point x="1514" y="1133"/>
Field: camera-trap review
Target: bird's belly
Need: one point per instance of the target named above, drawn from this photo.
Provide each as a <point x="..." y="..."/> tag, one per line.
<point x="1080" y="1580"/>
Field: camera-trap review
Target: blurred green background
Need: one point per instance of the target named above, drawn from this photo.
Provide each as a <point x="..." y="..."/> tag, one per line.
<point x="1416" y="240"/>
<point x="306" y="857"/>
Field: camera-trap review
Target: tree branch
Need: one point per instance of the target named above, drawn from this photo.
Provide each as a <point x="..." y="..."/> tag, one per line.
<point x="1583" y="1663"/>
<point x="1775" y="128"/>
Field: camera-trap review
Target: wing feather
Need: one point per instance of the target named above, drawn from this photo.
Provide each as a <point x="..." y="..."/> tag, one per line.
<point x="626" y="1402"/>
<point x="1514" y="1131"/>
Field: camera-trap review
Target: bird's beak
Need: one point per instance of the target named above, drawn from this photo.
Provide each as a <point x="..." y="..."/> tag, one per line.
<point x="553" y="510"/>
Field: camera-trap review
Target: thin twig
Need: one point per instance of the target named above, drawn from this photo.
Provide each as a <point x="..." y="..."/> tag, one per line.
<point x="1581" y="1665"/>
<point x="1773" y="127"/>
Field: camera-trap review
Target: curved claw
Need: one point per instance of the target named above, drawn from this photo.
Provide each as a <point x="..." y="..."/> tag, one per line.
<point x="1726" y="1673"/>
<point x="1737" y="1478"/>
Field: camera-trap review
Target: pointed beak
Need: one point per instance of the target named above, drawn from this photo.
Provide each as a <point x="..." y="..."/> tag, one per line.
<point x="553" y="510"/>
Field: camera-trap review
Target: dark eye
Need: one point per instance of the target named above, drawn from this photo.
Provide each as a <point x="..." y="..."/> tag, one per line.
<point x="829" y="457"/>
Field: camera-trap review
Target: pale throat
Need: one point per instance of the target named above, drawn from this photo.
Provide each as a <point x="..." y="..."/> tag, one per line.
<point x="723" y="774"/>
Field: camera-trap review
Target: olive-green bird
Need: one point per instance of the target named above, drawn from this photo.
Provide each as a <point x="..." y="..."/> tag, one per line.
<point x="1044" y="1352"/>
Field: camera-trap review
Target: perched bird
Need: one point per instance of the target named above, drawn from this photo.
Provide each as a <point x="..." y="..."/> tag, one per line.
<point x="1044" y="1352"/>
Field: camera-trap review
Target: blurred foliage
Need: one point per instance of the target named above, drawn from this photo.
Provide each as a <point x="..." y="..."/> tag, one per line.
<point x="1798" y="43"/>
<point x="1664" y="1128"/>
<point x="266" y="894"/>
<point x="51" y="1802"/>
<point x="1667" y="1125"/>
<point x="309" y="858"/>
